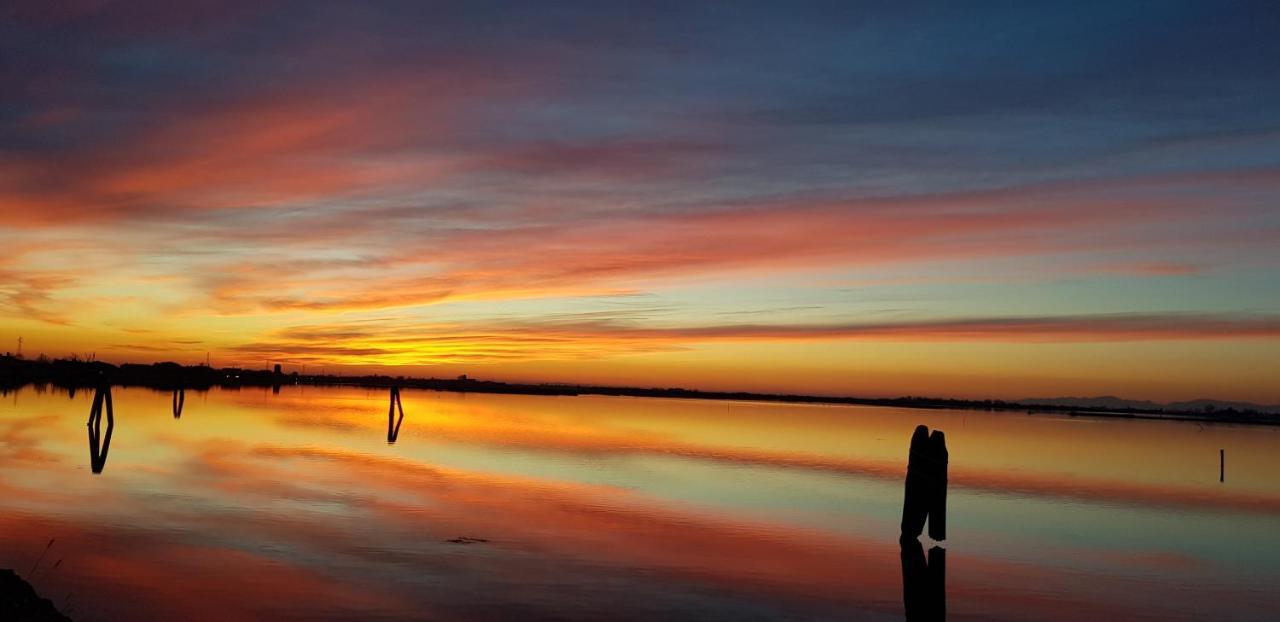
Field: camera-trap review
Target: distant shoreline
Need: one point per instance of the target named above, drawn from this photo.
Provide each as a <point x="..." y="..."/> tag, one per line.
<point x="72" y="374"/>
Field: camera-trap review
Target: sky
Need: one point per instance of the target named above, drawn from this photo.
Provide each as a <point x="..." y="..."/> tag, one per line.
<point x="1000" y="200"/>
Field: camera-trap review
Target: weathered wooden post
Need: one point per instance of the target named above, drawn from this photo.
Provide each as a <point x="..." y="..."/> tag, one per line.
<point x="98" y="444"/>
<point x="915" y="508"/>
<point x="925" y="494"/>
<point x="393" y="424"/>
<point x="924" y="584"/>
<point x="1222" y="465"/>
<point x="938" y="459"/>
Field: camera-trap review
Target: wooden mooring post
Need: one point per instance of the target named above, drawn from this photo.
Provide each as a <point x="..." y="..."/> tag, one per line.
<point x="393" y="424"/>
<point x="937" y="492"/>
<point x="99" y="444"/>
<point x="925" y="494"/>
<point x="924" y="587"/>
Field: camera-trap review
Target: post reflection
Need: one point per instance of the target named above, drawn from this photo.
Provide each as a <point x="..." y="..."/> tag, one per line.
<point x="393" y="423"/>
<point x="100" y="444"/>
<point x="924" y="583"/>
<point x="179" y="399"/>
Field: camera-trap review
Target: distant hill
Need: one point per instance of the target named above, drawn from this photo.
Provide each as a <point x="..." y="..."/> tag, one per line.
<point x="1104" y="401"/>
<point x="1203" y="404"/>
<point x="1118" y="403"/>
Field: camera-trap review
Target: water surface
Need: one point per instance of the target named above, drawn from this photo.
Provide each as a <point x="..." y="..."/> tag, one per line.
<point x="254" y="506"/>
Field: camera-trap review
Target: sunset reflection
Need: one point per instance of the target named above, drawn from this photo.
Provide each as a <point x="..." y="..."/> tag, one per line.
<point x="597" y="499"/>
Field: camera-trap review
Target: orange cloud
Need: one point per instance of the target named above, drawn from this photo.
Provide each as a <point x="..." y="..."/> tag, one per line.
<point x="493" y="341"/>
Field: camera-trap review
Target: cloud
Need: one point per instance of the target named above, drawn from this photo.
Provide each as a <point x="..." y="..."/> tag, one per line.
<point x="1101" y="327"/>
<point x="500" y="340"/>
<point x="606" y="253"/>
<point x="31" y="295"/>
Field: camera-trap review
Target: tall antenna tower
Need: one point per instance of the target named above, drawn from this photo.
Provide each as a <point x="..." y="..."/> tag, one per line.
<point x="19" y="347"/>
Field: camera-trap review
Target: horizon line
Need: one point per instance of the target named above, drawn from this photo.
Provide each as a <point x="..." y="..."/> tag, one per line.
<point x="1030" y="403"/>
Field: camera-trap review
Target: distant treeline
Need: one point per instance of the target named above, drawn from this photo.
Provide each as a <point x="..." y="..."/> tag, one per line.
<point x="79" y="373"/>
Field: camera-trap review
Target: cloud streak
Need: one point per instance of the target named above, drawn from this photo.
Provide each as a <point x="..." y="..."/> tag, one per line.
<point x="597" y="255"/>
<point x="389" y="343"/>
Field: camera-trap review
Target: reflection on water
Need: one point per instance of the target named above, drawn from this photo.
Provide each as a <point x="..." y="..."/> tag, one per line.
<point x="179" y="400"/>
<point x="292" y="506"/>
<point x="99" y="444"/>
<point x="393" y="424"/>
<point x="924" y="583"/>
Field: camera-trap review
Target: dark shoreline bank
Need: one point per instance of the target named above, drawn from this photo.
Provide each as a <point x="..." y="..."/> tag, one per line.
<point x="78" y="374"/>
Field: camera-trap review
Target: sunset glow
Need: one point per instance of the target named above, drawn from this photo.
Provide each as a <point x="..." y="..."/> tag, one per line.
<point x="852" y="200"/>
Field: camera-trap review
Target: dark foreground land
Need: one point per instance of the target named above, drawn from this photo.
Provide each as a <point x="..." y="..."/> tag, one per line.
<point x="73" y="374"/>
<point x="19" y="601"/>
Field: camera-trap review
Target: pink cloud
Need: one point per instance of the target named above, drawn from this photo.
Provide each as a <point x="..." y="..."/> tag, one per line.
<point x="615" y="252"/>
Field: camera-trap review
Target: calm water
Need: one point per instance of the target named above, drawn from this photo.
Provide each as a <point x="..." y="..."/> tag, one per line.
<point x="255" y="506"/>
